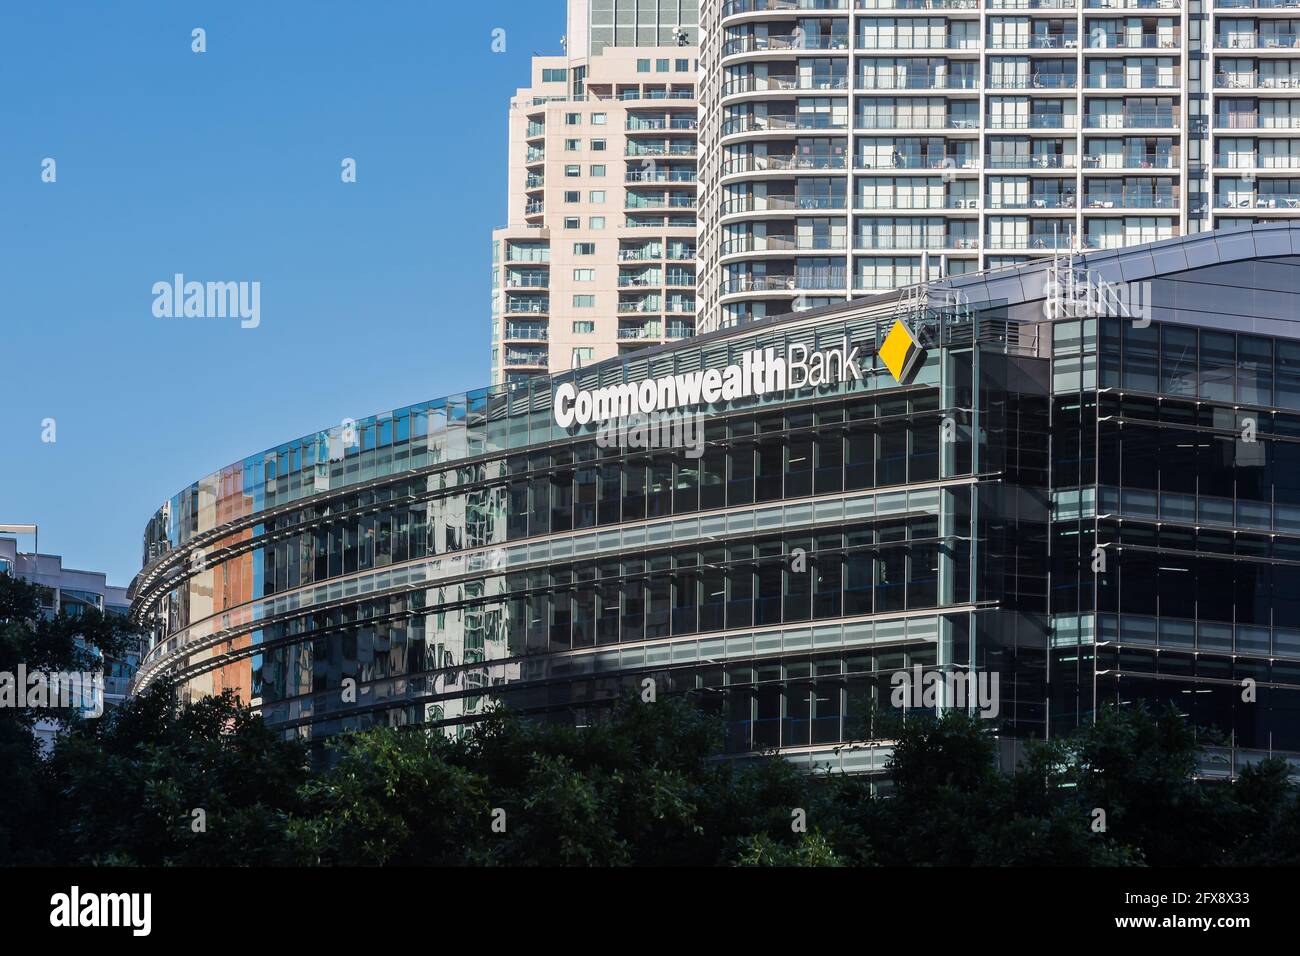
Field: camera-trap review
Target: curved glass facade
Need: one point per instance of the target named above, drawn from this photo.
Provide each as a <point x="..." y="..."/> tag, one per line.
<point x="819" y="541"/>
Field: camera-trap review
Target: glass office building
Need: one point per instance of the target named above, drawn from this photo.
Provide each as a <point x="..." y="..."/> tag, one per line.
<point x="1087" y="496"/>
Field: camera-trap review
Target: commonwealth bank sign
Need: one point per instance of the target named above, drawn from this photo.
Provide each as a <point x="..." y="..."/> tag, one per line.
<point x="759" y="372"/>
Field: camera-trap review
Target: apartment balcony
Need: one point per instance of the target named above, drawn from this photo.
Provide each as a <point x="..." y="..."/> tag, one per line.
<point x="635" y="202"/>
<point x="660" y="176"/>
<point x="681" y="255"/>
<point x="922" y="5"/>
<point x="1132" y="41"/>
<point x="534" y="156"/>
<point x="1257" y="5"/>
<point x="915" y="243"/>
<point x="1032" y="4"/>
<point x="535" y="208"/>
<point x="1048" y="41"/>
<point x="1052" y="123"/>
<point x="1032" y="162"/>
<point x="812" y="280"/>
<point x="954" y="163"/>
<point x="644" y="304"/>
<point x="676" y="306"/>
<point x="763" y="164"/>
<point x="534" y="181"/>
<point x="941" y="81"/>
<point x="634" y="94"/>
<point x="1035" y="81"/>
<point x="516" y="358"/>
<point x="1030" y="244"/>
<point x="527" y="306"/>
<point x="1133" y="5"/>
<point x="735" y="7"/>
<point x="1277" y="203"/>
<point x="921" y="41"/>
<point x="644" y="253"/>
<point x="894" y="122"/>
<point x="526" y="333"/>
<point x="636" y="149"/>
<point x="650" y="330"/>
<point x="658" y="222"/>
<point x="784" y="204"/>
<point x="793" y="43"/>
<point x="1127" y="201"/>
<point x="1255" y="41"/>
<point x="679" y="330"/>
<point x="1032" y="204"/>
<point x="661" y="124"/>
<point x="780" y="84"/>
<point x="1132" y="161"/>
<point x="819" y="123"/>
<point x="641" y="280"/>
<point x="921" y="204"/>
<point x="1135" y="119"/>
<point x="1253" y="81"/>
<point x="679" y="279"/>
<point x="1283" y="125"/>
<point x="517" y="280"/>
<point x="742" y="245"/>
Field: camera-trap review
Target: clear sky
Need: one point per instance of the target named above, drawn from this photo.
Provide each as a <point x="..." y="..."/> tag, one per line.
<point x="225" y="166"/>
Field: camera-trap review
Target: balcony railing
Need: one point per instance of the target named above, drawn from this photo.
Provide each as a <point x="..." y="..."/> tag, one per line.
<point x="744" y="244"/>
<point x="733" y="7"/>
<point x="1139" y="119"/>
<point x="1031" y="162"/>
<point x="1110" y="81"/>
<point x="1029" y="243"/>
<point x="757" y="164"/>
<point x="764" y="44"/>
<point x="1034" y="202"/>
<point x="1132" y="161"/>
<point x="636" y="125"/>
<point x="1032" y="4"/>
<point x="923" y="243"/>
<point x="805" y="281"/>
<point x="1255" y="41"/>
<point x="1132" y="41"/>
<point x="769" y="124"/>
<point x="938" y="81"/>
<point x="635" y="149"/>
<point x="1134" y="5"/>
<point x="1038" y="81"/>
<point x="660" y="176"/>
<point x="1252" y="121"/>
<point x="639" y="255"/>
<point x="1034" y="122"/>
<point x="911" y="203"/>
<point x="1258" y="202"/>
<point x="957" y="163"/>
<point x="527" y="282"/>
<point x="514" y="357"/>
<point x="527" y="333"/>
<point x="921" y="5"/>
<point x="1257" y="4"/>
<point x="640" y="305"/>
<point x="1043" y="42"/>
<point x="1132" y="200"/>
<point x="780" y="84"/>
<point x="891" y="121"/>
<point x="528" y="308"/>
<point x="1248" y="81"/>
<point x="783" y="204"/>
<point x="641" y="281"/>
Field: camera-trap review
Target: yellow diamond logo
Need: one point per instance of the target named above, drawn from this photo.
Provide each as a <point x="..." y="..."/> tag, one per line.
<point x="899" y="351"/>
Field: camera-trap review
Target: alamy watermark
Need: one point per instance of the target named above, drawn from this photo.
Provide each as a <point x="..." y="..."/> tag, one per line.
<point x="947" y="689"/>
<point x="209" y="300"/>
<point x="53" y="690"/>
<point x="653" y="431"/>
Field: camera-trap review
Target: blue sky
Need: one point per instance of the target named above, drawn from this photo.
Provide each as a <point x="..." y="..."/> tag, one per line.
<point x="225" y="166"/>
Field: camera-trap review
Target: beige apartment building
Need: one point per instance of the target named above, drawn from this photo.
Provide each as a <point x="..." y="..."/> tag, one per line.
<point x="598" y="257"/>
